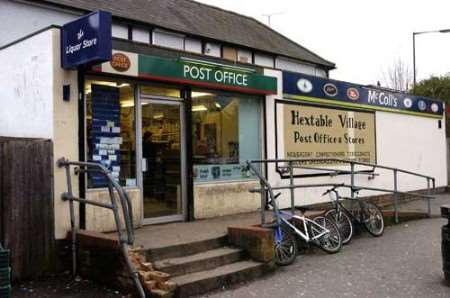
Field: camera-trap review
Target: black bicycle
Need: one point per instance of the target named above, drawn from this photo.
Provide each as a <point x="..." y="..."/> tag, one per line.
<point x="363" y="213"/>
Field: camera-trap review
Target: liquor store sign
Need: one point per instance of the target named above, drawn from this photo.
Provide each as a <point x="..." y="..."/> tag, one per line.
<point x="86" y="40"/>
<point x="311" y="132"/>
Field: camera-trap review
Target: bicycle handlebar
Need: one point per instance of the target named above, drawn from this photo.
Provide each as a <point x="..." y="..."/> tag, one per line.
<point x="332" y="189"/>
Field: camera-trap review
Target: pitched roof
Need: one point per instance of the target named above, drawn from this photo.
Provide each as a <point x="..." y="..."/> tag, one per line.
<point x="199" y="19"/>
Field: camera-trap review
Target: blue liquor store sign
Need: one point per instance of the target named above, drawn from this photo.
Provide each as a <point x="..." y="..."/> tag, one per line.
<point x="86" y="40"/>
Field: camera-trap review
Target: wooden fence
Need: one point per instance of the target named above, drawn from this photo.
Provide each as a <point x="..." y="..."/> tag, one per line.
<point x="26" y="205"/>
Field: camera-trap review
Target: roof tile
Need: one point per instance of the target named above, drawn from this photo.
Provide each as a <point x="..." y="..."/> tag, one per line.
<point x="195" y="18"/>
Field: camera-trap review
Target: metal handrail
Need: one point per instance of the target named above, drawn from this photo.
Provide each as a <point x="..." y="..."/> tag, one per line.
<point x="294" y="164"/>
<point x="343" y="185"/>
<point x="338" y="160"/>
<point x="125" y="204"/>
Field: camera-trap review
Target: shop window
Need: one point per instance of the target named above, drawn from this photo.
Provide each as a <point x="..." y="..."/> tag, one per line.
<point x="168" y="39"/>
<point x="110" y="130"/>
<point x="264" y="60"/>
<point x="119" y="31"/>
<point x="244" y="56"/>
<point x="226" y="133"/>
<point x="212" y="49"/>
<point x="157" y="90"/>
<point x="141" y="35"/>
<point x="193" y="45"/>
<point x="285" y="64"/>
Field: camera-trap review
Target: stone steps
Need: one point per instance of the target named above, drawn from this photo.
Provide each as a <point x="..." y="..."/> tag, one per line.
<point x="199" y="262"/>
<point x="208" y="280"/>
<point x="201" y="266"/>
<point x="184" y="249"/>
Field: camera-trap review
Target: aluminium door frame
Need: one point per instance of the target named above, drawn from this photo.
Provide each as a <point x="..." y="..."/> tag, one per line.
<point x="175" y="101"/>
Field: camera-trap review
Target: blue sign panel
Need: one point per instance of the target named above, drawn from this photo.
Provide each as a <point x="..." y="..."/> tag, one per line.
<point x="86" y="40"/>
<point x="106" y="139"/>
<point x="315" y="89"/>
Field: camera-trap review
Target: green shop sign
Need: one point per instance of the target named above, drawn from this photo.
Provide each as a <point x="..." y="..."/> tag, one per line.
<point x="193" y="72"/>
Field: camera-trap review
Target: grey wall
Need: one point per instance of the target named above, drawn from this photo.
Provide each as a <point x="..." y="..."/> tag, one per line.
<point x="18" y="20"/>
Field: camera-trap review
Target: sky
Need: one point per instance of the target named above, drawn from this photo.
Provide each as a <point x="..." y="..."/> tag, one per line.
<point x="364" y="38"/>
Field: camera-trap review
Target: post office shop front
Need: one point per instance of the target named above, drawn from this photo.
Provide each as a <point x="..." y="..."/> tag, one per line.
<point x="173" y="110"/>
<point x="174" y="132"/>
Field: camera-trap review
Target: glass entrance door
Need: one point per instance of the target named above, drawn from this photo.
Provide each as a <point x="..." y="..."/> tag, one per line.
<point x="163" y="162"/>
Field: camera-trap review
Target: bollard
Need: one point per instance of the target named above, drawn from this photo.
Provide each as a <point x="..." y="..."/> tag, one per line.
<point x="445" y="246"/>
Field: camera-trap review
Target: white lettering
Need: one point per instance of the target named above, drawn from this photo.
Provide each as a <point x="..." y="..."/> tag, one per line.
<point x="87" y="43"/>
<point x="220" y="76"/>
<point x="382" y="98"/>
<point x="196" y="73"/>
<point x="185" y="70"/>
<point x="73" y="49"/>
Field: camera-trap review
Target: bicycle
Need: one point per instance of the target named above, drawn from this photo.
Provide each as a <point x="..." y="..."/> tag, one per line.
<point x="320" y="231"/>
<point x="366" y="214"/>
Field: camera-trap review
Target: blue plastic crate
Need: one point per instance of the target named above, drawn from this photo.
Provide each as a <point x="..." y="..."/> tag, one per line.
<point x="5" y="292"/>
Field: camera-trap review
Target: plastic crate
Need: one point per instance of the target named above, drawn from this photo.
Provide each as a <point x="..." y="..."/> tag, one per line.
<point x="5" y="277"/>
<point x="5" y="292"/>
<point x="4" y="258"/>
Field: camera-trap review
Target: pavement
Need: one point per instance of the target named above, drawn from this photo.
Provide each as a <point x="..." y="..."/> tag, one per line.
<point x="156" y="236"/>
<point x="405" y="262"/>
<point x="422" y="205"/>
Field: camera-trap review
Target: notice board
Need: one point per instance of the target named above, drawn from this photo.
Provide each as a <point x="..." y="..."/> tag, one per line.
<point x="311" y="132"/>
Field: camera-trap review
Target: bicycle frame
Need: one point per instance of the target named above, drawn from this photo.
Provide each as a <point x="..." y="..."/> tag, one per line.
<point x="339" y="205"/>
<point x="285" y="217"/>
<point x="279" y="218"/>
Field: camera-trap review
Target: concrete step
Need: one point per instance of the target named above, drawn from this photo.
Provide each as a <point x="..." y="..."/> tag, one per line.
<point x="184" y="249"/>
<point x="208" y="280"/>
<point x="201" y="261"/>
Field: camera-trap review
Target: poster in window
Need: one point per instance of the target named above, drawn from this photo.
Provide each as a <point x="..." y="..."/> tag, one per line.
<point x="106" y="139"/>
<point x="211" y="137"/>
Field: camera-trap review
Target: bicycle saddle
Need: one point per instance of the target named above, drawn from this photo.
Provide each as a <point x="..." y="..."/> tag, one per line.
<point x="269" y="200"/>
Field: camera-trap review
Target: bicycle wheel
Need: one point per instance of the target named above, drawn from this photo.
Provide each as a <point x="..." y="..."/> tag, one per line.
<point x="343" y="222"/>
<point x="330" y="242"/>
<point x="372" y="218"/>
<point x="285" y="246"/>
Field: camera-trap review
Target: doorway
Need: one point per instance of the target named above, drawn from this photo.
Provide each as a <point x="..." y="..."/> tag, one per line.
<point x="163" y="161"/>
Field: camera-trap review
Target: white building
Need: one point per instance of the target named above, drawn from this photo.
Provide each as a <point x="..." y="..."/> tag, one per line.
<point x="193" y="92"/>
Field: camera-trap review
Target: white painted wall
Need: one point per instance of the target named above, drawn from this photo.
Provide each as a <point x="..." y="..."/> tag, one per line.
<point x="408" y="142"/>
<point x="26" y="92"/>
<point x="32" y="106"/>
<point x="65" y="135"/>
<point x="321" y="73"/>
<point x="18" y="20"/>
